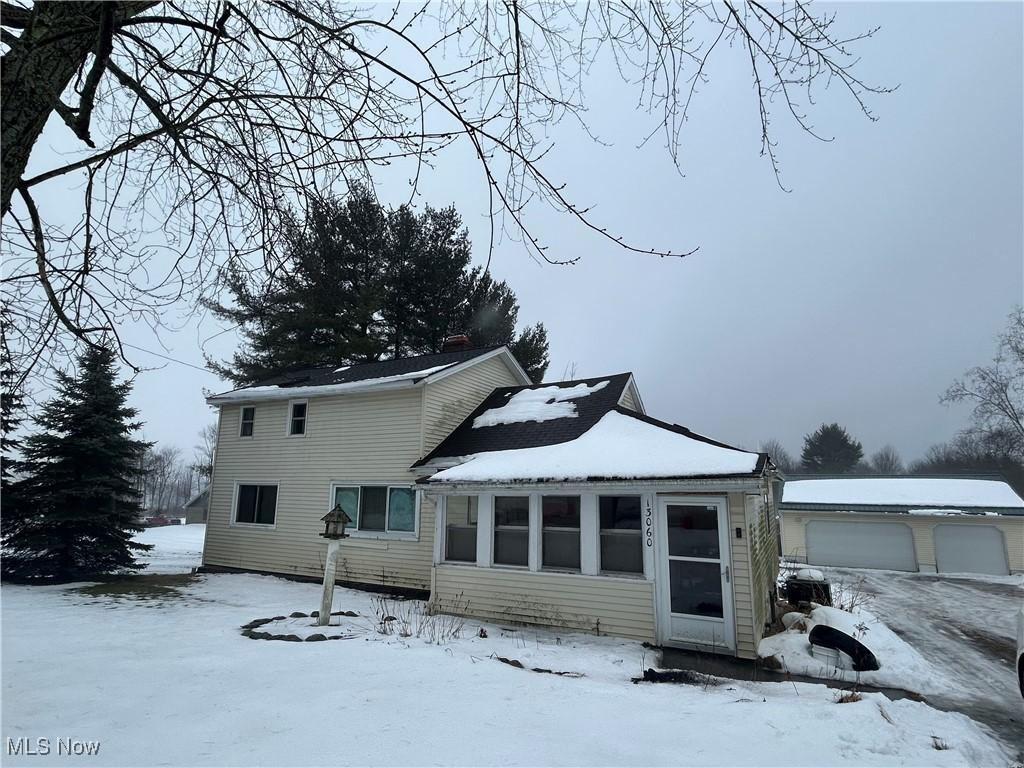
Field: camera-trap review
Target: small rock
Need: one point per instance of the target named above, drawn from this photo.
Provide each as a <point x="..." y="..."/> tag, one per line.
<point x="315" y="615"/>
<point x="353" y="613"/>
<point x="289" y="638"/>
<point x="260" y="636"/>
<point x="316" y="638"/>
<point x="279" y="618"/>
<point x="296" y="615"/>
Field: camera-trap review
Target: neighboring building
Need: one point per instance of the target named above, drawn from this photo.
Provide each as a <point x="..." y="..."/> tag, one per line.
<point x="949" y="525"/>
<point x="195" y="508"/>
<point x="555" y="504"/>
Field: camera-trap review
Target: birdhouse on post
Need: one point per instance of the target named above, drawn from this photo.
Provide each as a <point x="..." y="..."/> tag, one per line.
<point x="334" y="531"/>
<point x="335" y="522"/>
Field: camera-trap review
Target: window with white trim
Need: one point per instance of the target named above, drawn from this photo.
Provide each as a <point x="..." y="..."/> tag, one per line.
<point x="512" y="530"/>
<point x="297" y="418"/>
<point x="560" y="532"/>
<point x="247" y="421"/>
<point x="255" y="504"/>
<point x="378" y="508"/>
<point x="460" y="528"/>
<point x="621" y="536"/>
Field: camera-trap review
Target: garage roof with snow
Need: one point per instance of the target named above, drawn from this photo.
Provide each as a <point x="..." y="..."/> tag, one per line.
<point x="902" y="492"/>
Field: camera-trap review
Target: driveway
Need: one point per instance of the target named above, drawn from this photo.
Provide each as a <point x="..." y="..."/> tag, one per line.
<point x="965" y="627"/>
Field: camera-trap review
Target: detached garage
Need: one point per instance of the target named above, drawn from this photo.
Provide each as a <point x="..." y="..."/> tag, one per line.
<point x="945" y="525"/>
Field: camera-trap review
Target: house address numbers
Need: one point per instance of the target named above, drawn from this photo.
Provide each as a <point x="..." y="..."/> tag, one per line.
<point x="648" y="522"/>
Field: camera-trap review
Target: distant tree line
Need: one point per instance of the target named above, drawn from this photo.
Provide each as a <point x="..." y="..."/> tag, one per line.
<point x="992" y="442"/>
<point x="360" y="283"/>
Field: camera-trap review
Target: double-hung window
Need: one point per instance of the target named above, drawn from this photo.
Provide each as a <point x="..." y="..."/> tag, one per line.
<point x="512" y="530"/>
<point x="297" y="418"/>
<point x="255" y="504"/>
<point x="247" y="421"/>
<point x="560" y="532"/>
<point x="621" y="537"/>
<point x="460" y="528"/>
<point x="378" y="508"/>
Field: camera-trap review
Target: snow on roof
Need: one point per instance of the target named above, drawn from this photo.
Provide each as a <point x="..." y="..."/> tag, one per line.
<point x="274" y="391"/>
<point x="903" y="491"/>
<point x="617" y="446"/>
<point x="544" y="404"/>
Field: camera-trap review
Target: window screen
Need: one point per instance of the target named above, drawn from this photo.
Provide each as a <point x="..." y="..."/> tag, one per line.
<point x="248" y="420"/>
<point x="511" y="530"/>
<point x="621" y="539"/>
<point x="373" y="508"/>
<point x="257" y="504"/>
<point x="460" y="528"/>
<point x="297" y="424"/>
<point x="560" y="532"/>
<point x="402" y="509"/>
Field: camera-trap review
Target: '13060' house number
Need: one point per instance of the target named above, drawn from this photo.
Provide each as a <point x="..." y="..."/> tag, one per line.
<point x="648" y="523"/>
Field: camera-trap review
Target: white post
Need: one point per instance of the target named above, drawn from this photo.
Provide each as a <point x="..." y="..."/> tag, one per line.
<point x="330" y="568"/>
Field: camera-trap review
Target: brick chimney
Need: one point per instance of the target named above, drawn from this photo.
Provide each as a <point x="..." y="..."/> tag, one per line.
<point x="456" y="343"/>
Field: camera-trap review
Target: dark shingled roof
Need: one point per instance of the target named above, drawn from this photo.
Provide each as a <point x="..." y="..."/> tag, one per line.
<point x="466" y="439"/>
<point x="319" y="377"/>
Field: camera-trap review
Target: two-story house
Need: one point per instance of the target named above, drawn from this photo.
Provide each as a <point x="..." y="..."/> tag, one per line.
<point x="556" y="504"/>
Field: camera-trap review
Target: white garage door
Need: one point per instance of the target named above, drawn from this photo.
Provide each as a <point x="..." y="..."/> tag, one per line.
<point x="861" y="545"/>
<point x="970" y="549"/>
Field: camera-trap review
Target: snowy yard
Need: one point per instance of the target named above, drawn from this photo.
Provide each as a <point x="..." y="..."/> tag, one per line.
<point x="157" y="671"/>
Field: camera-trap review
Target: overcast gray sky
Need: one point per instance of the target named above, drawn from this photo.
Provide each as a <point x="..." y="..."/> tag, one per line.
<point x="857" y="297"/>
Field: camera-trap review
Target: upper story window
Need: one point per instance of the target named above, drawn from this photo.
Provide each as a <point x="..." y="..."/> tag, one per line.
<point x="512" y="530"/>
<point x="460" y="528"/>
<point x="378" y="508"/>
<point x="256" y="504"/>
<point x="560" y="532"/>
<point x="621" y="537"/>
<point x="248" y="421"/>
<point x="297" y="418"/>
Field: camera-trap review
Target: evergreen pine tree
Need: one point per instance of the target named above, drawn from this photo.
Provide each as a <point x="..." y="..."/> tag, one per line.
<point x="11" y="414"/>
<point x="78" y="487"/>
<point x="830" y="450"/>
<point x="359" y="283"/>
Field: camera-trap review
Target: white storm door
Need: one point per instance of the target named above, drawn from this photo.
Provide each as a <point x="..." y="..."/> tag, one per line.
<point x="695" y="567"/>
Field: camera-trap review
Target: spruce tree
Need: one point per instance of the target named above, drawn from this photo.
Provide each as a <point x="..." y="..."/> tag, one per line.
<point x="78" y="493"/>
<point x="830" y="450"/>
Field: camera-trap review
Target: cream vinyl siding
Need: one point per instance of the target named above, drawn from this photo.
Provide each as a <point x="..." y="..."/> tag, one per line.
<point x="628" y="401"/>
<point x="597" y="604"/>
<point x="366" y="439"/>
<point x="742" y="589"/>
<point x="447" y="403"/>
<point x="794" y="543"/>
<point x="763" y="548"/>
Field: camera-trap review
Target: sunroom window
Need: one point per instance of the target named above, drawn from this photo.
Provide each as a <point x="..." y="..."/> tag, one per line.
<point x="511" y="530"/>
<point x="560" y="532"/>
<point x="460" y="529"/>
<point x="621" y="538"/>
<point x="378" y="508"/>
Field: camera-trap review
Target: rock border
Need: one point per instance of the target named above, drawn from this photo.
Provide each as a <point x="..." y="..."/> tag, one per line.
<point x="252" y="629"/>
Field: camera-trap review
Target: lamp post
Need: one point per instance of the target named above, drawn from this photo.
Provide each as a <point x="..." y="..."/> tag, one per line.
<point x="334" y="531"/>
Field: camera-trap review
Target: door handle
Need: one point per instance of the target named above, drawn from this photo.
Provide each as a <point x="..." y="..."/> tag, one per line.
<point x="726" y="574"/>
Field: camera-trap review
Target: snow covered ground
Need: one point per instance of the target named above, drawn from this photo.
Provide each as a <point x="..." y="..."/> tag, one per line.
<point x="900" y="665"/>
<point x="156" y="670"/>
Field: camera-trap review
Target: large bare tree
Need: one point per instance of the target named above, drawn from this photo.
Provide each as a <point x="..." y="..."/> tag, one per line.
<point x="198" y="125"/>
